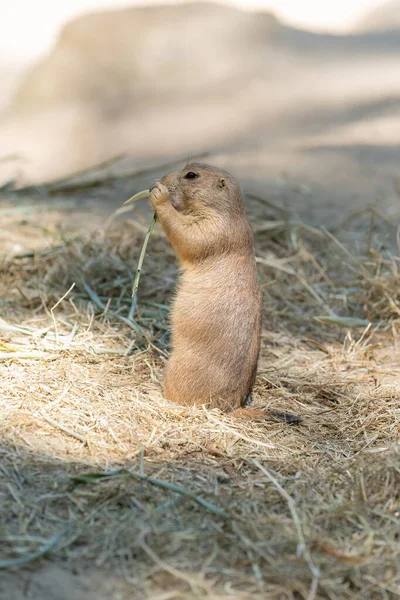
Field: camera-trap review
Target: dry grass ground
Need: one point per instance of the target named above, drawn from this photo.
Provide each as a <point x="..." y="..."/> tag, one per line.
<point x="196" y="504"/>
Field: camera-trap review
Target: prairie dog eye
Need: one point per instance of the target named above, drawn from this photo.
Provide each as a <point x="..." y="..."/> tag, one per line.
<point x="191" y="175"/>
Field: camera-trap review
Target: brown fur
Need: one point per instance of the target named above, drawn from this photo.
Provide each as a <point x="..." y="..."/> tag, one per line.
<point x="216" y="316"/>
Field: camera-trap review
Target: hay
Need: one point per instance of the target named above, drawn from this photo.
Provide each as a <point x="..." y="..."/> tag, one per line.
<point x="190" y="500"/>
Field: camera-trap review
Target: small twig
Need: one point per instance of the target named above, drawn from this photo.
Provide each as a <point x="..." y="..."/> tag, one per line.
<point x="109" y="351"/>
<point x="21" y="329"/>
<point x="96" y="300"/>
<point x="55" y="306"/>
<point x="312" y="593"/>
<point x="310" y="289"/>
<point x="132" y="308"/>
<point x="337" y="242"/>
<point x="276" y="263"/>
<point x="177" y="489"/>
<point x="93" y="296"/>
<point x="136" y="197"/>
<point x="256" y="570"/>
<point x="302" y="547"/>
<point x="345" y="322"/>
<point x="63" y="297"/>
<point x="221" y="425"/>
<point x="142" y="255"/>
<point x="126" y="206"/>
<point x="23" y="560"/>
<point x="182" y="492"/>
<point x="77" y="436"/>
<point x="120" y="211"/>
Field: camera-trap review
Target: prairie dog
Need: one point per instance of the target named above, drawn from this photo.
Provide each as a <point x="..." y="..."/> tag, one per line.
<point x="216" y="315"/>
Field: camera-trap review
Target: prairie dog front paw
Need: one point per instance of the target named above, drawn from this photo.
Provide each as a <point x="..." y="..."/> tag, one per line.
<point x="159" y="195"/>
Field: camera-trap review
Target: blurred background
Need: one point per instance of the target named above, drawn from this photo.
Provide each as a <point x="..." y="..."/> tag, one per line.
<point x="300" y="99"/>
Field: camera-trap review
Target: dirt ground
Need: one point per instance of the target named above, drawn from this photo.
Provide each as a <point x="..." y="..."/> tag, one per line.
<point x="312" y="510"/>
<point x="195" y="504"/>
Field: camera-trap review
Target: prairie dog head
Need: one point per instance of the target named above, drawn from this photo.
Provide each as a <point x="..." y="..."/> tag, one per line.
<point x="200" y="188"/>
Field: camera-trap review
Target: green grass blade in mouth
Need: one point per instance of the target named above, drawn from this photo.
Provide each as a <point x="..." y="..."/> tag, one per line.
<point x="138" y="196"/>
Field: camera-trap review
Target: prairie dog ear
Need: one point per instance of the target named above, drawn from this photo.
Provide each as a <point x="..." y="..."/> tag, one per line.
<point x="221" y="182"/>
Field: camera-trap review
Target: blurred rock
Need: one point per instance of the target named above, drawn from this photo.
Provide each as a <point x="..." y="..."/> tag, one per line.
<point x="118" y="59"/>
<point x="165" y="81"/>
<point x="149" y="79"/>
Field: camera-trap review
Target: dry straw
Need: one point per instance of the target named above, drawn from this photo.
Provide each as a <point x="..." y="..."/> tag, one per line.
<point x="187" y="500"/>
<point x="135" y="198"/>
